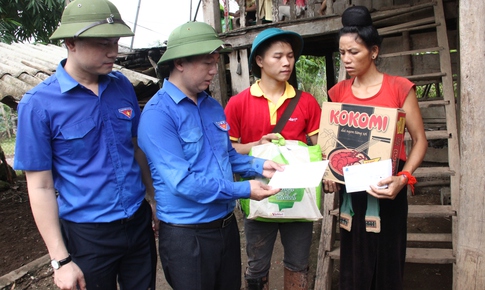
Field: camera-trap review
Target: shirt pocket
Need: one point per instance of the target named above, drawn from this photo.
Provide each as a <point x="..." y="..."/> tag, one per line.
<point x="219" y="139"/>
<point x="191" y="142"/>
<point x="81" y="139"/>
<point x="122" y="126"/>
<point x="220" y="132"/>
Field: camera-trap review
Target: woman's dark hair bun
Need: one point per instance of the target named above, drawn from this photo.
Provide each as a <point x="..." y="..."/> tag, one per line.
<point x="356" y="16"/>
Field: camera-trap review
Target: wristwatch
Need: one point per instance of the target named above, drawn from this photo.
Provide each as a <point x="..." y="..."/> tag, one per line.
<point x="58" y="264"/>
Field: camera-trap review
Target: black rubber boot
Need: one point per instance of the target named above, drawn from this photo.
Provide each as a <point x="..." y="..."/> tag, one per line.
<point x="257" y="284"/>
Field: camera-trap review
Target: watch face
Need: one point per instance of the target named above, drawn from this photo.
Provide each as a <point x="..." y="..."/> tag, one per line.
<point x="55" y="264"/>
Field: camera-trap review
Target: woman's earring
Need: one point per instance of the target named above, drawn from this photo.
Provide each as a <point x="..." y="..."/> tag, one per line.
<point x="373" y="57"/>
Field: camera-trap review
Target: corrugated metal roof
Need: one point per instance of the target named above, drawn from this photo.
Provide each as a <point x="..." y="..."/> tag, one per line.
<point x="23" y="66"/>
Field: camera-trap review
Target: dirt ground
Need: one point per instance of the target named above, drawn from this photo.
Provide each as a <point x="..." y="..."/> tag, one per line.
<point x="20" y="243"/>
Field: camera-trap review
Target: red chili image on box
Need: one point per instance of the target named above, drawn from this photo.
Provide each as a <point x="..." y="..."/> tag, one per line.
<point x="354" y="134"/>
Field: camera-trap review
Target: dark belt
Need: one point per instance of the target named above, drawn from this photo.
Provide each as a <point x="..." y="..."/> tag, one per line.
<point x="144" y="203"/>
<point x="216" y="224"/>
<point x="124" y="221"/>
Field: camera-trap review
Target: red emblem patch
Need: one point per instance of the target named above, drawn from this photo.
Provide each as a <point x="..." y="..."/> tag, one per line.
<point x="223" y="125"/>
<point x="128" y="112"/>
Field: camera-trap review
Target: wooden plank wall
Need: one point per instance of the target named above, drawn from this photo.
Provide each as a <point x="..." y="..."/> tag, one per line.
<point x="320" y="36"/>
<point x="420" y="62"/>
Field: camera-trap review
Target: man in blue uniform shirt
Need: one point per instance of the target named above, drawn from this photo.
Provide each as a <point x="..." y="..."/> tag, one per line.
<point x="183" y="132"/>
<point x="77" y="134"/>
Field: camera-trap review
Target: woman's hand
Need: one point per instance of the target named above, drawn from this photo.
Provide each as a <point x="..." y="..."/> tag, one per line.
<point x="330" y="186"/>
<point x="394" y="186"/>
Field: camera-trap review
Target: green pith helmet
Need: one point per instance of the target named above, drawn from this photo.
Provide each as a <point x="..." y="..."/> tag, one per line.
<point x="296" y="44"/>
<point x="91" y="18"/>
<point x="193" y="38"/>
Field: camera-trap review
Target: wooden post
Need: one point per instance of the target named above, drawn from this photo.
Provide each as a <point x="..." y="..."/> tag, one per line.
<point x="212" y="16"/>
<point x="258" y="11"/>
<point x="227" y="18"/>
<point x="218" y="86"/>
<point x="470" y="259"/>
<point x="242" y="13"/>
<point x="311" y="9"/>
<point x="329" y="10"/>
<point x="274" y="7"/>
<point x="406" y="45"/>
<point x="238" y="62"/>
<point x="292" y="10"/>
<point x="323" y="276"/>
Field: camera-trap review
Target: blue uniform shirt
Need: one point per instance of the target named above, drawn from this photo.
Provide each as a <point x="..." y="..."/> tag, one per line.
<point x="191" y="157"/>
<point x="86" y="141"/>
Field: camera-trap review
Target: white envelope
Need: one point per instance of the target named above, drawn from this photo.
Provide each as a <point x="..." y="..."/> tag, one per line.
<point x="359" y="177"/>
<point x="300" y="175"/>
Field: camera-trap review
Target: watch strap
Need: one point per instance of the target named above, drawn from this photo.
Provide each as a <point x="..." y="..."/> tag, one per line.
<point x="63" y="261"/>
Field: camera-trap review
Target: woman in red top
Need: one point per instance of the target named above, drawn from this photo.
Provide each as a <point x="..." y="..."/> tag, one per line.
<point x="372" y="260"/>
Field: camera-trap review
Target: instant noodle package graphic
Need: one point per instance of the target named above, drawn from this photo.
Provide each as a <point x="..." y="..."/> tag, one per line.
<point x="355" y="134"/>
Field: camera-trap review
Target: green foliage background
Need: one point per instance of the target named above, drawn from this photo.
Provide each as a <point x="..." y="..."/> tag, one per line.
<point x="8" y="119"/>
<point x="311" y="74"/>
<point x="22" y="20"/>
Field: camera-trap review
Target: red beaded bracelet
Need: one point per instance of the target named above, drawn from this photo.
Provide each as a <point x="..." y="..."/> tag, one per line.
<point x="411" y="179"/>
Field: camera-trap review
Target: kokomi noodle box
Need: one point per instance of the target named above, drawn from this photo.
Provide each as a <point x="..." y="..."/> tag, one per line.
<point x="354" y="134"/>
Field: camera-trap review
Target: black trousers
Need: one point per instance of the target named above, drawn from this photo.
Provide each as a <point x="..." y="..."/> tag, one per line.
<point x="201" y="258"/>
<point x="121" y="252"/>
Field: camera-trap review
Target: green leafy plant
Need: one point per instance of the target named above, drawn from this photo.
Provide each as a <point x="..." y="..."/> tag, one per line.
<point x="311" y="74"/>
<point x="8" y="146"/>
<point x="24" y="20"/>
